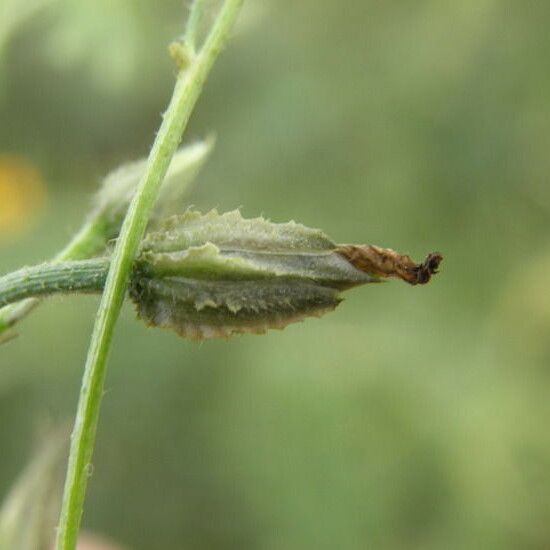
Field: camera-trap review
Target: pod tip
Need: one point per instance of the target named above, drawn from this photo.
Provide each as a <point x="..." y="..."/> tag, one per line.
<point x="385" y="262"/>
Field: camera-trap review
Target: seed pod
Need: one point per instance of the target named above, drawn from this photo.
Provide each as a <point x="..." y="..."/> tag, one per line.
<point x="216" y="275"/>
<point x="227" y="246"/>
<point x="200" y="309"/>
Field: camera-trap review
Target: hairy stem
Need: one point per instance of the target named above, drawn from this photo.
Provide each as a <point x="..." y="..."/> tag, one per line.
<point x="186" y="92"/>
<point x="88" y="241"/>
<point x="192" y="27"/>
<point x="54" y="278"/>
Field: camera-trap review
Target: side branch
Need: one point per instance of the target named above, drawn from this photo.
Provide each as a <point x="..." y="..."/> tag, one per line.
<point x="54" y="278"/>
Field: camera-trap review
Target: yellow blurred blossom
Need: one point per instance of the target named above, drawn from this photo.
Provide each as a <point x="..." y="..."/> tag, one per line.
<point x="22" y="195"/>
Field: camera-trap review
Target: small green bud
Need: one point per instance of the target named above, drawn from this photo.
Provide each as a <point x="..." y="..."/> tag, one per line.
<point x="214" y="275"/>
<point x="119" y="186"/>
<point x="181" y="55"/>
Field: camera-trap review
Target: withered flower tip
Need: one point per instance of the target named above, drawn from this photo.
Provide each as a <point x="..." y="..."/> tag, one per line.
<point x="429" y="267"/>
<point x="385" y="262"/>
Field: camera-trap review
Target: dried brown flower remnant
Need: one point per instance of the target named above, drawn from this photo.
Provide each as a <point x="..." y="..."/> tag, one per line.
<point x="385" y="262"/>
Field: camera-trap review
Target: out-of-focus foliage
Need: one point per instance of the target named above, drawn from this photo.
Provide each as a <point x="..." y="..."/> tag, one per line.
<point x="411" y="418"/>
<point x="22" y="191"/>
<point x="30" y="511"/>
<point x="14" y="14"/>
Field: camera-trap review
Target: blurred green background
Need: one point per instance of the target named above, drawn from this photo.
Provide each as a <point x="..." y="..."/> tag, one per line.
<point x="410" y="418"/>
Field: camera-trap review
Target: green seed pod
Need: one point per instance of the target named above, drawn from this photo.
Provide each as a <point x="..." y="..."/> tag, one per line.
<point x="216" y="275"/>
<point x="200" y="309"/>
<point x="229" y="247"/>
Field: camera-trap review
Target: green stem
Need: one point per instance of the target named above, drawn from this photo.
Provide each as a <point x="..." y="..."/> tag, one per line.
<point x="192" y="27"/>
<point x="89" y="240"/>
<point x="54" y="278"/>
<point x="186" y="92"/>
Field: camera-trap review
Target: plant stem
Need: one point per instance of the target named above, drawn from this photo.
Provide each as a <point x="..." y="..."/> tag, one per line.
<point x="192" y="27"/>
<point x="54" y="278"/>
<point x="186" y="92"/>
<point x="88" y="241"/>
